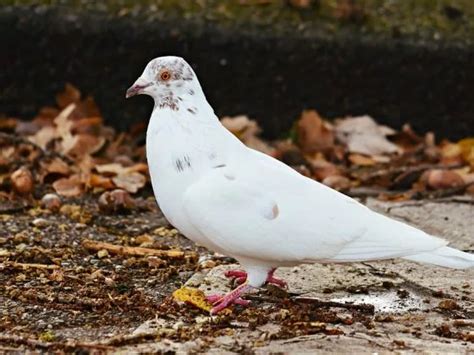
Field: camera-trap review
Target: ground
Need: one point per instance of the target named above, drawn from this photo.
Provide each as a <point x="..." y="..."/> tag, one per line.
<point x="62" y="293"/>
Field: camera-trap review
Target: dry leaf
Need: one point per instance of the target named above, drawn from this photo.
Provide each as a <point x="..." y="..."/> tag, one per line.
<point x="55" y="166"/>
<point x="70" y="95"/>
<point x="116" y="200"/>
<point x="314" y="134"/>
<point x="337" y="182"/>
<point x="43" y="136"/>
<point x="443" y="179"/>
<point x="363" y="135"/>
<point x="192" y="296"/>
<point x="85" y="144"/>
<point x="467" y="149"/>
<point x="69" y="187"/>
<point x="99" y="181"/>
<point x="130" y="181"/>
<point x="363" y="160"/>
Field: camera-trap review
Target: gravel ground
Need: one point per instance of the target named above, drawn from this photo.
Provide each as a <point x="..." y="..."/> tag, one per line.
<point x="58" y="293"/>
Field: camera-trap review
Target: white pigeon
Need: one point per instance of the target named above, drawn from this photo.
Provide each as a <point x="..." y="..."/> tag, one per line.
<point x="245" y="204"/>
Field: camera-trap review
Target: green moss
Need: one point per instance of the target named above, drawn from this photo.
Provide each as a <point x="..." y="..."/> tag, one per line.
<point x="423" y="19"/>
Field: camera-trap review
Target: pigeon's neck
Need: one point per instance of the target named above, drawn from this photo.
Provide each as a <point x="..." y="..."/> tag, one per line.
<point x="190" y="129"/>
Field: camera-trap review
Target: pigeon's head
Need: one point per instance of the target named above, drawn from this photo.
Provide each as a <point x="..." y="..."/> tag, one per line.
<point x="165" y="78"/>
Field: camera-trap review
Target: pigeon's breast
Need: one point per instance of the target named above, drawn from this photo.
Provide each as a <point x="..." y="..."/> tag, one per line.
<point x="173" y="168"/>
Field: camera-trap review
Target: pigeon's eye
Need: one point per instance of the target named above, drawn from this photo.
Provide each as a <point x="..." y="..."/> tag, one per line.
<point x="165" y="75"/>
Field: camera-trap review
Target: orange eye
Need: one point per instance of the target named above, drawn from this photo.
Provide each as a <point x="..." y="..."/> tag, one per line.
<point x="165" y="75"/>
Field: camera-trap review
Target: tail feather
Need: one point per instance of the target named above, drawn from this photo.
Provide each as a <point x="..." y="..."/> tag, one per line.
<point x="445" y="256"/>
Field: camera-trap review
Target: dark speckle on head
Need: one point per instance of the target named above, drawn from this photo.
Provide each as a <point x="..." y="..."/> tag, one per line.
<point x="180" y="98"/>
<point x="191" y="92"/>
<point x="193" y="110"/>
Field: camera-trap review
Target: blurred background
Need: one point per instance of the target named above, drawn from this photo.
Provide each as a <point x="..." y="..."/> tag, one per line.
<point x="397" y="60"/>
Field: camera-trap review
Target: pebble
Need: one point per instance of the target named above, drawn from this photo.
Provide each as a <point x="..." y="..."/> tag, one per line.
<point x="40" y="222"/>
<point x="51" y="202"/>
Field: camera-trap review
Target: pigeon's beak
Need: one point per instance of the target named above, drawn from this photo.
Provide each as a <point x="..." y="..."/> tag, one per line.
<point x="137" y="88"/>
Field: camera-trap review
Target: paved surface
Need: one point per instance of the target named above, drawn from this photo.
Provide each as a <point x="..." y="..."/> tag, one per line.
<point x="411" y="315"/>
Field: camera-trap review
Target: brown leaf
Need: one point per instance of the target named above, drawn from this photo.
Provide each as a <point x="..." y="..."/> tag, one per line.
<point x="337" y="182"/>
<point x="43" y="136"/>
<point x="86" y="144"/>
<point x="69" y="187"/>
<point x="322" y="168"/>
<point x="22" y="181"/>
<point x="467" y="149"/>
<point x="69" y="96"/>
<point x="131" y="181"/>
<point x="116" y="200"/>
<point x="53" y="166"/>
<point x="100" y="181"/>
<point x="443" y="179"/>
<point x="363" y="160"/>
<point x="364" y="136"/>
<point x="314" y="134"/>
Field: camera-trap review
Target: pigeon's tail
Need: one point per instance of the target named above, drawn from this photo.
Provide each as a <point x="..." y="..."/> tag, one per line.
<point x="445" y="256"/>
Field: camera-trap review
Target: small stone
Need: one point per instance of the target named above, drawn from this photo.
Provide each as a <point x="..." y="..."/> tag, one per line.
<point x="22" y="181"/>
<point x="102" y="253"/>
<point x="207" y="264"/>
<point x="448" y="305"/>
<point x="20" y="247"/>
<point x="40" y="222"/>
<point x="4" y="252"/>
<point x="51" y="202"/>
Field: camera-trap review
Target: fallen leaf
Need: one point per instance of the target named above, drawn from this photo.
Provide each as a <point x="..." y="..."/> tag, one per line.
<point x="99" y="181"/>
<point x="43" y="136"/>
<point x="55" y="166"/>
<point x="337" y="182"/>
<point x="69" y="187"/>
<point x="132" y="181"/>
<point x="363" y="160"/>
<point x="116" y="200"/>
<point x="69" y="96"/>
<point x="467" y="150"/>
<point x="363" y="135"/>
<point x="313" y="134"/>
<point x="86" y="144"/>
<point x="443" y="179"/>
<point x="192" y="296"/>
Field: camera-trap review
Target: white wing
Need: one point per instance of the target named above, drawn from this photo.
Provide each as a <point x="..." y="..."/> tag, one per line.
<point x="265" y="210"/>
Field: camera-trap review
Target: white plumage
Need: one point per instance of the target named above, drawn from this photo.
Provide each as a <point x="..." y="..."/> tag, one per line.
<point x="248" y="205"/>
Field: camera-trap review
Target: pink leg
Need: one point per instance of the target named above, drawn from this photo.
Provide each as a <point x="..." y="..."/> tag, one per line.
<point x="233" y="296"/>
<point x="241" y="277"/>
<point x="276" y="281"/>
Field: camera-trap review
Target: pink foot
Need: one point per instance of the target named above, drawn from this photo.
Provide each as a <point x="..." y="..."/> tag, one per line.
<point x="233" y="297"/>
<point x="241" y="277"/>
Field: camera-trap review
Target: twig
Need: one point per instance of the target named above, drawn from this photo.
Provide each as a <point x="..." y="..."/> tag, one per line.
<point x="134" y="251"/>
<point x="24" y="340"/>
<point x="366" y="308"/>
<point x="32" y="266"/>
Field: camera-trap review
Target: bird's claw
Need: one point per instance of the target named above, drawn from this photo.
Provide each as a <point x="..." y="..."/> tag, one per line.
<point x="221" y="302"/>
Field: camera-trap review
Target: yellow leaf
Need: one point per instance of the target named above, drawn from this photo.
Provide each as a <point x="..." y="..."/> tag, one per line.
<point x="192" y="296"/>
<point x="467" y="148"/>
